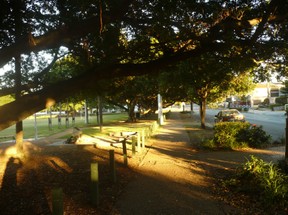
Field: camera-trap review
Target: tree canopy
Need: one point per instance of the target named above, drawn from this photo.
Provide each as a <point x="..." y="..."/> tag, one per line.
<point x="130" y="38"/>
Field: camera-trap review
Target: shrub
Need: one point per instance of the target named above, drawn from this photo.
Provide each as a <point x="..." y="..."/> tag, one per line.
<point x="283" y="165"/>
<point x="208" y="144"/>
<point x="254" y="136"/>
<point x="281" y="100"/>
<point x="266" y="101"/>
<point x="233" y="135"/>
<point x="226" y="134"/>
<point x="266" y="179"/>
<point x="246" y="109"/>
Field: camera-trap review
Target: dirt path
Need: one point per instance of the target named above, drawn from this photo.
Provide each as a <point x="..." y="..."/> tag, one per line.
<point x="175" y="179"/>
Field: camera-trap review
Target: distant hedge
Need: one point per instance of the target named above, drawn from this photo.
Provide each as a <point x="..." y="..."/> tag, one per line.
<point x="281" y="100"/>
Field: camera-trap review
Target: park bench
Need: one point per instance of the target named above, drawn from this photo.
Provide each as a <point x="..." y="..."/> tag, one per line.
<point x="122" y="137"/>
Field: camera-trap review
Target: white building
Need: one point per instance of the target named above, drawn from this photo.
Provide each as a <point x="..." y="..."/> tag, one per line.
<point x="266" y="90"/>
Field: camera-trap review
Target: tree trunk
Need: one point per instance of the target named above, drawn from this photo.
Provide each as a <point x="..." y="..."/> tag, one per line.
<point x="86" y="112"/>
<point x="202" y="111"/>
<point x="19" y="125"/>
<point x="191" y="107"/>
<point x="131" y="113"/>
<point x="100" y="113"/>
<point x="18" y="76"/>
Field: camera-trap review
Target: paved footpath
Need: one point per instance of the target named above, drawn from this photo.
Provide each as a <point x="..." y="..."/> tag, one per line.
<point x="175" y="179"/>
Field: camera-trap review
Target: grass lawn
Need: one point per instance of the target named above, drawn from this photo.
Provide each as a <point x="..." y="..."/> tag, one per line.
<point x="42" y="129"/>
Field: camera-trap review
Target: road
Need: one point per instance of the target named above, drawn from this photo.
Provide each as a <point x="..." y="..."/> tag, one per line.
<point x="273" y="122"/>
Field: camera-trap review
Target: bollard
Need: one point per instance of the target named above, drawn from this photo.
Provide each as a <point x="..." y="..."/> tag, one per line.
<point x="94" y="184"/>
<point x="67" y="122"/>
<point x="138" y="142"/>
<point x="147" y="133"/>
<point x="57" y="201"/>
<point x="112" y="165"/>
<point x="59" y="121"/>
<point x="134" y="140"/>
<point x="143" y="138"/>
<point x="50" y="124"/>
<point x="124" y="152"/>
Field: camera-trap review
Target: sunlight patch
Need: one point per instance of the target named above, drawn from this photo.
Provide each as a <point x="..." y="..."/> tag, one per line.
<point x="58" y="165"/>
<point x="11" y="151"/>
<point x="50" y="102"/>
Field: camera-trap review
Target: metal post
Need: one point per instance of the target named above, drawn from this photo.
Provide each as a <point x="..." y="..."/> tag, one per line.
<point x="86" y="112"/>
<point x="50" y="120"/>
<point x="35" y="126"/>
<point x="59" y="115"/>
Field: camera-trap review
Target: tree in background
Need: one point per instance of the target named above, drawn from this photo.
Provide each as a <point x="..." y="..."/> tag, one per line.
<point x="211" y="76"/>
<point x="134" y="92"/>
<point x="284" y="90"/>
<point x="94" y="32"/>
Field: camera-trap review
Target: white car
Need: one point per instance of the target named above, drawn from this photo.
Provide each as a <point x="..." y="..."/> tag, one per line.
<point x="229" y="115"/>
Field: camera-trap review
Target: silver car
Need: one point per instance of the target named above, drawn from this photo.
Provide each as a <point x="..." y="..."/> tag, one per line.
<point x="229" y="115"/>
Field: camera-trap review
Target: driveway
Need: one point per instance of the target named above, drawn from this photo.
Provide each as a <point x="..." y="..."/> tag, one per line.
<point x="174" y="178"/>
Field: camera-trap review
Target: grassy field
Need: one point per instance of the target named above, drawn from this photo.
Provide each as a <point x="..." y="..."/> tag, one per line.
<point x="43" y="129"/>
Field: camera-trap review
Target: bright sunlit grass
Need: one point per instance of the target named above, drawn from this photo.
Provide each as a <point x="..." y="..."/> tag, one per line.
<point x="43" y="129"/>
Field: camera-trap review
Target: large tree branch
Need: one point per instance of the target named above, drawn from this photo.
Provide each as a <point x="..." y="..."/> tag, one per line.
<point x="52" y="39"/>
<point x="49" y="67"/>
<point x="35" y="83"/>
<point x="31" y="103"/>
<point x="34" y="102"/>
<point x="63" y="35"/>
<point x="269" y="16"/>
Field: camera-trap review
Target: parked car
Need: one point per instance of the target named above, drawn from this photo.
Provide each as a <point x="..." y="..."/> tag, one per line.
<point x="229" y="115"/>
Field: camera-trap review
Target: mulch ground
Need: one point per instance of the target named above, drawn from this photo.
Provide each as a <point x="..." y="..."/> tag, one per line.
<point x="27" y="182"/>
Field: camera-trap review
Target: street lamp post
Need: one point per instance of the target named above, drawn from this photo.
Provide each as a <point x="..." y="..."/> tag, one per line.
<point x="160" y="111"/>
